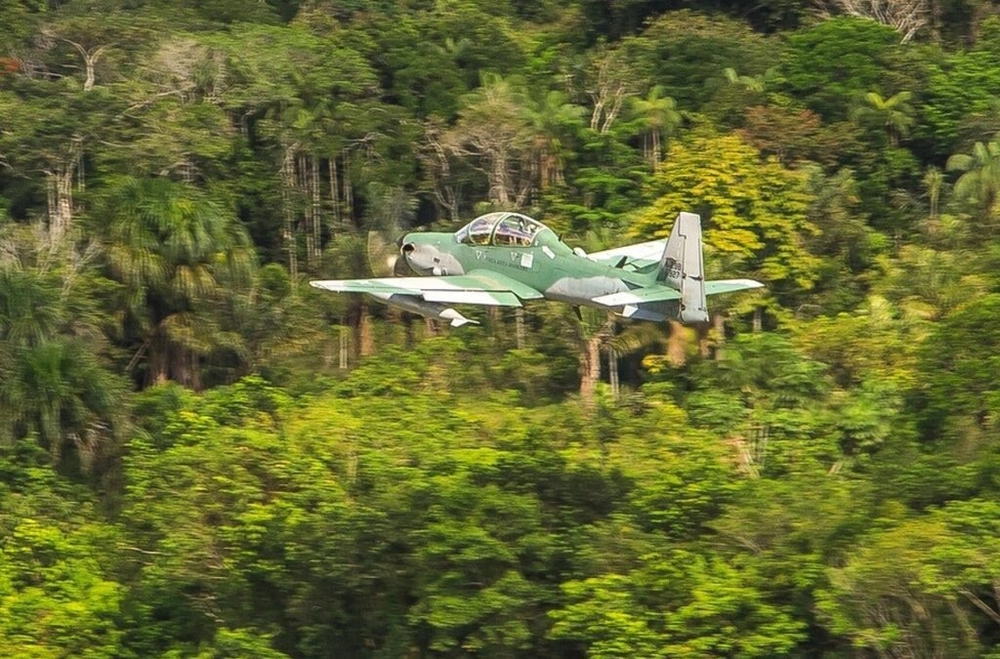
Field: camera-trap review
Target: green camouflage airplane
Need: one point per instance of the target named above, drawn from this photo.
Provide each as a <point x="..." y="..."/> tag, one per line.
<point x="502" y="259"/>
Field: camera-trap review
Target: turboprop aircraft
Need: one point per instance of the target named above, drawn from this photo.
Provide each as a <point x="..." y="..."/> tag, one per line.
<point x="504" y="258"/>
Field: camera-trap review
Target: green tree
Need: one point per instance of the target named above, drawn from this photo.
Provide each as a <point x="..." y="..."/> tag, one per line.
<point x="753" y="212"/>
<point x="980" y="179"/>
<point x="56" y="388"/>
<point x="922" y="585"/>
<point x="789" y="530"/>
<point x="958" y="86"/>
<point x="676" y="604"/>
<point x="554" y="122"/>
<point x="816" y="58"/>
<point x="793" y="135"/>
<point x="687" y="52"/>
<point x="769" y="400"/>
<point x="893" y="113"/>
<point x="603" y="616"/>
<point x="494" y="131"/>
<point x="846" y="243"/>
<point x="659" y="118"/>
<point x="172" y="248"/>
<point x="959" y="395"/>
<point x="56" y="597"/>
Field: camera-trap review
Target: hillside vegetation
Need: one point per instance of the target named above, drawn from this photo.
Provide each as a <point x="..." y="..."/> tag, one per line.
<point x="201" y="455"/>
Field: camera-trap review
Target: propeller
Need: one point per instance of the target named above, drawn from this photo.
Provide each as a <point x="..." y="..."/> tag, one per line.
<point x="389" y="221"/>
<point x="383" y="254"/>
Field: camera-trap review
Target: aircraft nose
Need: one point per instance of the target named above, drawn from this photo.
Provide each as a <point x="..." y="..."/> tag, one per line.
<point x="420" y="257"/>
<point x="425" y="259"/>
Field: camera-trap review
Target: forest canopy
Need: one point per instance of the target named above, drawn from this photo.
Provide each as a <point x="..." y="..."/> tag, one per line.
<point x="200" y="455"/>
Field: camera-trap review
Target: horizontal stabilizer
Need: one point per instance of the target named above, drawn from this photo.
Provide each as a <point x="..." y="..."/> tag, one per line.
<point x="730" y="285"/>
<point x="639" y="253"/>
<point x="637" y="296"/>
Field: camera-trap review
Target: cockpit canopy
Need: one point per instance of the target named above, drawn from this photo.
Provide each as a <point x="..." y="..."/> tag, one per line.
<point x="503" y="229"/>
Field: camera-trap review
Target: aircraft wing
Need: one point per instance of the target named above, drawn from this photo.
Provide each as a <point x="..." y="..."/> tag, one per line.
<point x="477" y="287"/>
<point x="650" y="251"/>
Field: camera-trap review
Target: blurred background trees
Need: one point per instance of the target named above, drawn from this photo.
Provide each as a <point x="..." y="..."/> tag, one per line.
<point x="203" y="456"/>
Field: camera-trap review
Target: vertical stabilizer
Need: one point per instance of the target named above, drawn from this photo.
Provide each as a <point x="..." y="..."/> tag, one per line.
<point x="681" y="268"/>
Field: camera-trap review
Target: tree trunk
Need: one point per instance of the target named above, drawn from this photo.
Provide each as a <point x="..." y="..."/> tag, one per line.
<point x="305" y="194"/>
<point x="193" y="369"/>
<point x="496" y="329"/>
<point x="59" y="186"/>
<point x="590" y="369"/>
<point x="317" y="211"/>
<point x="498" y="184"/>
<point x="720" y="335"/>
<point x="335" y="224"/>
<point x="703" y="347"/>
<point x="613" y="372"/>
<point x="366" y="333"/>
<point x="348" y="189"/>
<point x="88" y="84"/>
<point x="595" y="116"/>
<point x="519" y="326"/>
<point x="89" y="62"/>
<point x="343" y="347"/>
<point x="288" y="230"/>
<point x="676" y="344"/>
<point x="156" y="358"/>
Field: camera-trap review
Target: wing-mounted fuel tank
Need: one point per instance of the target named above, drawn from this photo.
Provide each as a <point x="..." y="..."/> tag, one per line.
<point x="414" y="304"/>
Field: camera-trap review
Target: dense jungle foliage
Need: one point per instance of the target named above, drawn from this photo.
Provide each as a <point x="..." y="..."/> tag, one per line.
<point x="200" y="455"/>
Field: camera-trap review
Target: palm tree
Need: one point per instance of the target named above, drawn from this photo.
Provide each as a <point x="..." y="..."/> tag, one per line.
<point x="980" y="179"/>
<point x="61" y="394"/>
<point x="756" y="83"/>
<point x="659" y="117"/>
<point x="172" y="248"/>
<point x="593" y="329"/>
<point x="550" y="118"/>
<point x="350" y="254"/>
<point x="933" y="182"/>
<point x="893" y="113"/>
<point x="632" y="339"/>
<point x="30" y="308"/>
<point x="53" y="386"/>
<point x="597" y="332"/>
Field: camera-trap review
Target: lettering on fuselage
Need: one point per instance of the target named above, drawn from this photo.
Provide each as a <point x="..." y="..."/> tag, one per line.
<point x="523" y="263"/>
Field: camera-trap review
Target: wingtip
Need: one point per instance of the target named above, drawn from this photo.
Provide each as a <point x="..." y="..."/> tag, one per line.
<point x="746" y="283"/>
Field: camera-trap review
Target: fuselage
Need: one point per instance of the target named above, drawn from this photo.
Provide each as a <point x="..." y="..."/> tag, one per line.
<point x="547" y="265"/>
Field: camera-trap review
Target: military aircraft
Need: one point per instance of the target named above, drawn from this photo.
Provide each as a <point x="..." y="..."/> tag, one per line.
<point x="505" y="258"/>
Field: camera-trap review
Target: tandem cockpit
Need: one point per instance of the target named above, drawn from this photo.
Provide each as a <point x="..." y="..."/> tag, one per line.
<point x="505" y="229"/>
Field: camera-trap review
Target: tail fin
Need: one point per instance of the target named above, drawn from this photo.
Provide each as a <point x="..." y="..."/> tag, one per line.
<point x="681" y="268"/>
